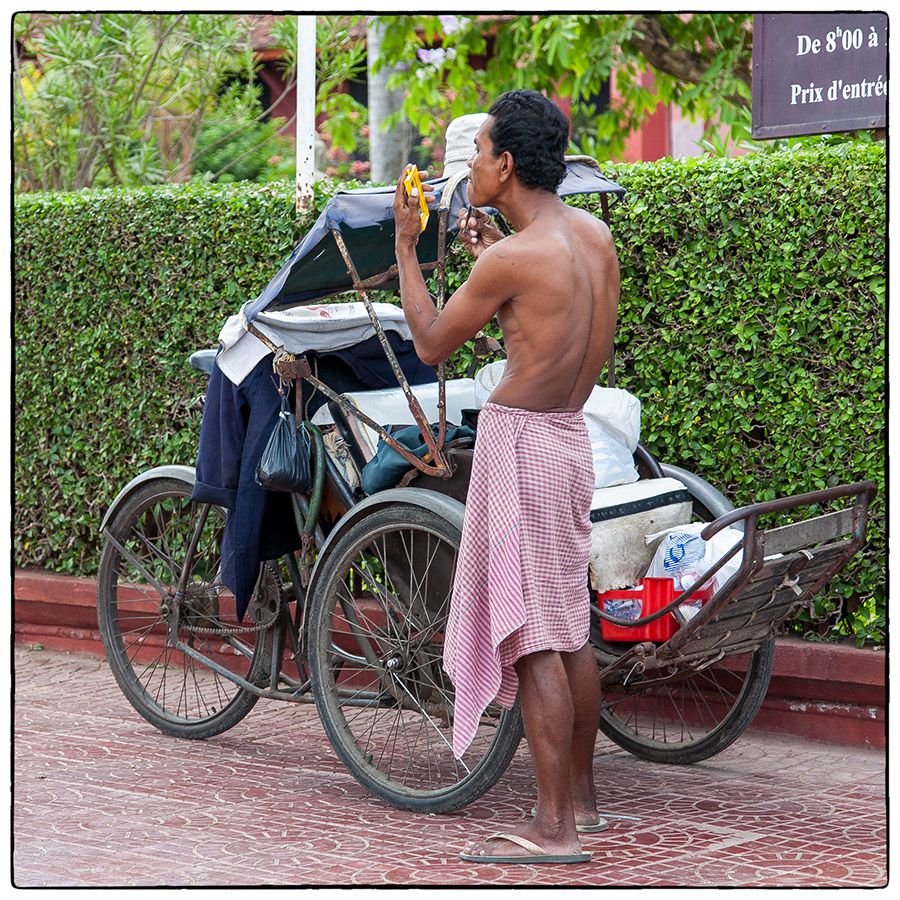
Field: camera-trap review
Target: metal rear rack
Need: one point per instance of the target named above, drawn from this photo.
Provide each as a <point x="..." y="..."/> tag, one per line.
<point x="782" y="569"/>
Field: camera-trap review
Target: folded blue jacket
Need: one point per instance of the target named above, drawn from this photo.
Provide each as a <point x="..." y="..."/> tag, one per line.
<point x="387" y="466"/>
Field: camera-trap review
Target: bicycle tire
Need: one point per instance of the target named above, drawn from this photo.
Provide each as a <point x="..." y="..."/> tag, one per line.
<point x="673" y="738"/>
<point x="171" y="690"/>
<point x="389" y="688"/>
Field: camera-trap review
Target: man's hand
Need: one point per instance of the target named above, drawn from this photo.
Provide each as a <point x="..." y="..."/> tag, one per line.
<point x="476" y="231"/>
<point x="407" y="225"/>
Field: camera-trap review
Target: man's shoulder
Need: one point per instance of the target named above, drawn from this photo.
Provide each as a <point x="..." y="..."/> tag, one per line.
<point x="504" y="253"/>
<point x="575" y="228"/>
<point x="587" y="219"/>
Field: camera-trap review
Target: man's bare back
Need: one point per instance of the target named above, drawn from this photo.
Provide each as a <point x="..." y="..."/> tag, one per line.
<point x="558" y="326"/>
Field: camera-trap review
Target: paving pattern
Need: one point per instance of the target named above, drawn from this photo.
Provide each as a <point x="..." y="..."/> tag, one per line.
<point x="102" y="799"/>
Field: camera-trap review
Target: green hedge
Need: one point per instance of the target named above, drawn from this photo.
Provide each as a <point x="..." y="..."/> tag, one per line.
<point x="751" y="326"/>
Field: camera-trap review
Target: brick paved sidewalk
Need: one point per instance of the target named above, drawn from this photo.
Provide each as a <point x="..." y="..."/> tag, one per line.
<point x="102" y="799"/>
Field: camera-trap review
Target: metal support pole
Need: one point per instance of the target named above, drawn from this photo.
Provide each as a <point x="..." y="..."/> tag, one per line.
<point x="306" y="110"/>
<point x="435" y="448"/>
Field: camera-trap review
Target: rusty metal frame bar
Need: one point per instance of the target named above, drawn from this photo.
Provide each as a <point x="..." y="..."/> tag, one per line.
<point x="440" y="466"/>
<point x="443" y="221"/>
<point x="376" y="281"/>
<point x="290" y="367"/>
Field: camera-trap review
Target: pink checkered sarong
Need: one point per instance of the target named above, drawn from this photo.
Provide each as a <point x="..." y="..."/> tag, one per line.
<point x="521" y="576"/>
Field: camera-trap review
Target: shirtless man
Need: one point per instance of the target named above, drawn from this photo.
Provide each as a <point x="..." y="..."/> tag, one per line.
<point x="554" y="287"/>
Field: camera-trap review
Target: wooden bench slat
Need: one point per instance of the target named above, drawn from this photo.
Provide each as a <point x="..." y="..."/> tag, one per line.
<point x="732" y="625"/>
<point x="801" y="535"/>
<point x="759" y="587"/>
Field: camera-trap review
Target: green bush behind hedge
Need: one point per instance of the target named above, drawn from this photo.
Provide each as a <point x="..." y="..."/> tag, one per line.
<point x="751" y="327"/>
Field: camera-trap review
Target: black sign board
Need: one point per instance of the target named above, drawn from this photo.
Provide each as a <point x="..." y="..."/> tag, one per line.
<point x="818" y="72"/>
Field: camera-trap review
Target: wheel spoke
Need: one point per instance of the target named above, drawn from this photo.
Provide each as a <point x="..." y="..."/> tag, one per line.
<point x="157" y="554"/>
<point x="687" y="715"/>
<point x="426" y="716"/>
<point x="136" y="562"/>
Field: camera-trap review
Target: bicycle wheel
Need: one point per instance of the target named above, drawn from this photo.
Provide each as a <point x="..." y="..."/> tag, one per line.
<point x="377" y="624"/>
<point x="146" y="543"/>
<point x="685" y="717"/>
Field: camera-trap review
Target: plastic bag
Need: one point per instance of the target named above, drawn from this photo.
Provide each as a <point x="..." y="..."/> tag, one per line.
<point x="284" y="464"/>
<point x="684" y="556"/>
<point x="624" y="609"/>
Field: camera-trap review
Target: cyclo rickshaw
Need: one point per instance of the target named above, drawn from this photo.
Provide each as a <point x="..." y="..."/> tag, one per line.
<point x="354" y="619"/>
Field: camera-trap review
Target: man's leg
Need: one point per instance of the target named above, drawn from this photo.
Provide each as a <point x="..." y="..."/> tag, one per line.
<point x="548" y="714"/>
<point x="584" y="686"/>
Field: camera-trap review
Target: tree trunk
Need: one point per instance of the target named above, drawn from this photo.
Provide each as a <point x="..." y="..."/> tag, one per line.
<point x="388" y="150"/>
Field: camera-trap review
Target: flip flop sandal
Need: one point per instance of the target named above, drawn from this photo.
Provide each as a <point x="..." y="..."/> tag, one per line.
<point x="599" y="825"/>
<point x="538" y="854"/>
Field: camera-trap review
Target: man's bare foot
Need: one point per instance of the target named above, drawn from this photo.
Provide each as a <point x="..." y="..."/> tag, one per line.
<point x="584" y="803"/>
<point x="553" y="841"/>
<point x="587" y="815"/>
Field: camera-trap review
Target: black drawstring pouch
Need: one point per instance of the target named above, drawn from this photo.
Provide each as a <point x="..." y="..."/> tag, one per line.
<point x="284" y="464"/>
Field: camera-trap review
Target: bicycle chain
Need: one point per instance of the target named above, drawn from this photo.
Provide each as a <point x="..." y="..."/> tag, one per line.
<point x="240" y="629"/>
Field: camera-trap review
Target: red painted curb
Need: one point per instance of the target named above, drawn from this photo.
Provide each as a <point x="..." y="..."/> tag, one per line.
<point x="827" y="692"/>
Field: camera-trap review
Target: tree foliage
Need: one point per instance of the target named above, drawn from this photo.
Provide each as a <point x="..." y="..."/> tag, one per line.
<point x="104" y="99"/>
<point x="117" y="98"/>
<point x="699" y="62"/>
<point x="238" y="144"/>
<point x="122" y="98"/>
<point x="341" y="58"/>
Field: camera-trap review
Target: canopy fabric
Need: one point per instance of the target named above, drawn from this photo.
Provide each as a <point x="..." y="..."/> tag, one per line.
<point x="365" y="219"/>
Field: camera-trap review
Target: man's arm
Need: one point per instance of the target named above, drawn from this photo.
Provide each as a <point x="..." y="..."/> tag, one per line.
<point x="490" y="284"/>
<point x="471" y="307"/>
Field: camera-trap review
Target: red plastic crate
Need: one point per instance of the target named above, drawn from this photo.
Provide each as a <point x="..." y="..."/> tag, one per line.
<point x="653" y="594"/>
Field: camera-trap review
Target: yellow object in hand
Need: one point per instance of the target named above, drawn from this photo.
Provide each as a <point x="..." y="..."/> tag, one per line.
<point x="410" y="181"/>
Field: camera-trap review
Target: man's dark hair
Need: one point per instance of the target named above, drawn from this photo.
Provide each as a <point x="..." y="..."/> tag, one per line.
<point x="535" y="132"/>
